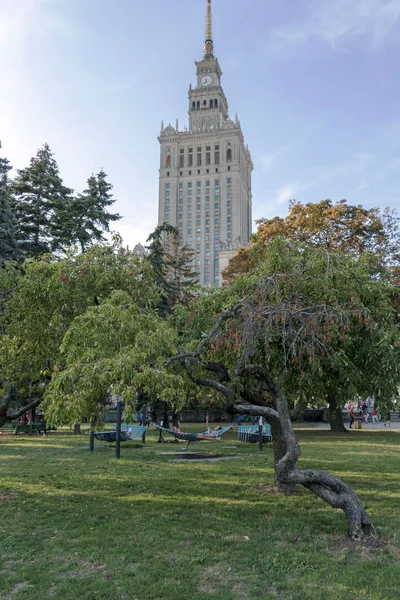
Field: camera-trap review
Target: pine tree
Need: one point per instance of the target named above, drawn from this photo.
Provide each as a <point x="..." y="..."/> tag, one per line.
<point x="89" y="211"/>
<point x="8" y="242"/>
<point x="179" y="261"/>
<point x="39" y="195"/>
<point x="172" y="265"/>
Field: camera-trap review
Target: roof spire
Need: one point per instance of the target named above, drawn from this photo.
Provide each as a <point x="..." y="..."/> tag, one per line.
<point x="209" y="46"/>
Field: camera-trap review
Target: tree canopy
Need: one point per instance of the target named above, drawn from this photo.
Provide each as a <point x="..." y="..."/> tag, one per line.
<point x="336" y="227"/>
<point x="8" y="238"/>
<point x="44" y="298"/>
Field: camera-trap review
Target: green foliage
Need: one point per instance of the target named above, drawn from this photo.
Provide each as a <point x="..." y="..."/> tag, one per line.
<point x="84" y="218"/>
<point x="8" y="242"/>
<point x="39" y="194"/>
<point x="322" y="323"/>
<point x="173" y="267"/>
<point x="119" y="346"/>
<point x="45" y="298"/>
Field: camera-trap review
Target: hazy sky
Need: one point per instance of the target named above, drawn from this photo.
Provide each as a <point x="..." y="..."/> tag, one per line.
<point x="315" y="83"/>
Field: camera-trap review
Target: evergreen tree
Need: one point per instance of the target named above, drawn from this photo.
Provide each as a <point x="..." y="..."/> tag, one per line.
<point x="172" y="266"/>
<point x="8" y="242"/>
<point x="90" y="211"/>
<point x="39" y="195"/>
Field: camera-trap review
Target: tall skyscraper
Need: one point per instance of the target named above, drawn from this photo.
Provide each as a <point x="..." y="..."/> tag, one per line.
<point x="205" y="173"/>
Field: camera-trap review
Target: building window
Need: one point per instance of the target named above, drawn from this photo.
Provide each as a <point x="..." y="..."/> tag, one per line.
<point x="207" y="230"/>
<point x="198" y="105"/>
<point x="216" y="103"/>
<point x="167" y="186"/>
<point x="216" y="205"/>
<point x="208" y="155"/>
<point x="189" y="238"/>
<point x="229" y="180"/>
<point x="190" y="185"/>
<point x="190" y="172"/>
<point x="229" y="219"/>
<point x="229" y="203"/>
<point x="229" y="155"/>
<point x="167" y="173"/>
<point x="193" y="105"/>
<point x="198" y="246"/>
<point x="199" y="156"/>
<point x="168" y="161"/>
<point x="182" y="157"/>
<point x="189" y="232"/>
<point x="216" y="154"/>
<point x="198" y="239"/>
<point x="208" y="183"/>
<point x="190" y="157"/>
<point x="229" y="195"/>
<point x="229" y="227"/>
<point x="199" y="184"/>
<point x="229" y="168"/>
<point x="211" y="103"/>
<point x="229" y="211"/>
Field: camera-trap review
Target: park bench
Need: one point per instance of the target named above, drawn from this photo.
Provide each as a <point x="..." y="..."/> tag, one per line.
<point x="25" y="428"/>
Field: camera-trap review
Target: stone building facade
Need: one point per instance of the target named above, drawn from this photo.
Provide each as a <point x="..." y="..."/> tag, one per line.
<point x="205" y="173"/>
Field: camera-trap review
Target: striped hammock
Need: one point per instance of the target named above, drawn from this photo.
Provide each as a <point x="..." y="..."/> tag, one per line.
<point x="193" y="437"/>
<point x="128" y="433"/>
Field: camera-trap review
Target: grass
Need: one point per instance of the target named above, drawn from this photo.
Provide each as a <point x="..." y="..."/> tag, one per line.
<point x="87" y="526"/>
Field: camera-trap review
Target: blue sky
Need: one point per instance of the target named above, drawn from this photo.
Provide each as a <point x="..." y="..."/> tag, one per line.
<point x="315" y="83"/>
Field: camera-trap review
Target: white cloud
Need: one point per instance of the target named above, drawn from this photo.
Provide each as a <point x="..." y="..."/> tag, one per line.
<point x="335" y="22"/>
<point x="286" y="193"/>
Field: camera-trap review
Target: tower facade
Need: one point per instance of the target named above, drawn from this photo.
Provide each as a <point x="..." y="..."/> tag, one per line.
<point x="205" y="172"/>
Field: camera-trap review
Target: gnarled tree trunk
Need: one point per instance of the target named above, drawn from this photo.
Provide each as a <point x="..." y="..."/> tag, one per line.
<point x="328" y="487"/>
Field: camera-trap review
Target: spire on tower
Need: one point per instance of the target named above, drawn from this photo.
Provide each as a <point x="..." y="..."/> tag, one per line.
<point x="209" y="45"/>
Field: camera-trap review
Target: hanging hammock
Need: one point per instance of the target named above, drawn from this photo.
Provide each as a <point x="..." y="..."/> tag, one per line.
<point x="128" y="433"/>
<point x="213" y="435"/>
<point x="250" y="433"/>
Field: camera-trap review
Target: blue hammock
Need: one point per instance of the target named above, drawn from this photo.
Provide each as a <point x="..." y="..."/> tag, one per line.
<point x="196" y="437"/>
<point x="249" y="433"/>
<point x="128" y="433"/>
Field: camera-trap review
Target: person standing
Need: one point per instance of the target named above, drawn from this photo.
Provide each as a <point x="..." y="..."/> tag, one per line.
<point x="352" y="416"/>
<point x="374" y="415"/>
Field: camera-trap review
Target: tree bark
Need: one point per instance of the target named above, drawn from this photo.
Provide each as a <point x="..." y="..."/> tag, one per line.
<point x="77" y="429"/>
<point x="279" y="446"/>
<point x="328" y="487"/>
<point x="336" y="417"/>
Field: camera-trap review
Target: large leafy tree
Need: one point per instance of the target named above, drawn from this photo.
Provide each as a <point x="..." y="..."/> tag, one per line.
<point x="85" y="218"/>
<point x="302" y="320"/>
<point x="337" y="227"/>
<point x="39" y="194"/>
<point x="43" y="300"/>
<point x="8" y="241"/>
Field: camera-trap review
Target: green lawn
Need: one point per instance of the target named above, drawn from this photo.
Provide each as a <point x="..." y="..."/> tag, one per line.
<point x="87" y="526"/>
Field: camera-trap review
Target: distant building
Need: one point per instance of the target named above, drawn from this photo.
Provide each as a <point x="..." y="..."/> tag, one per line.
<point x="205" y="173"/>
